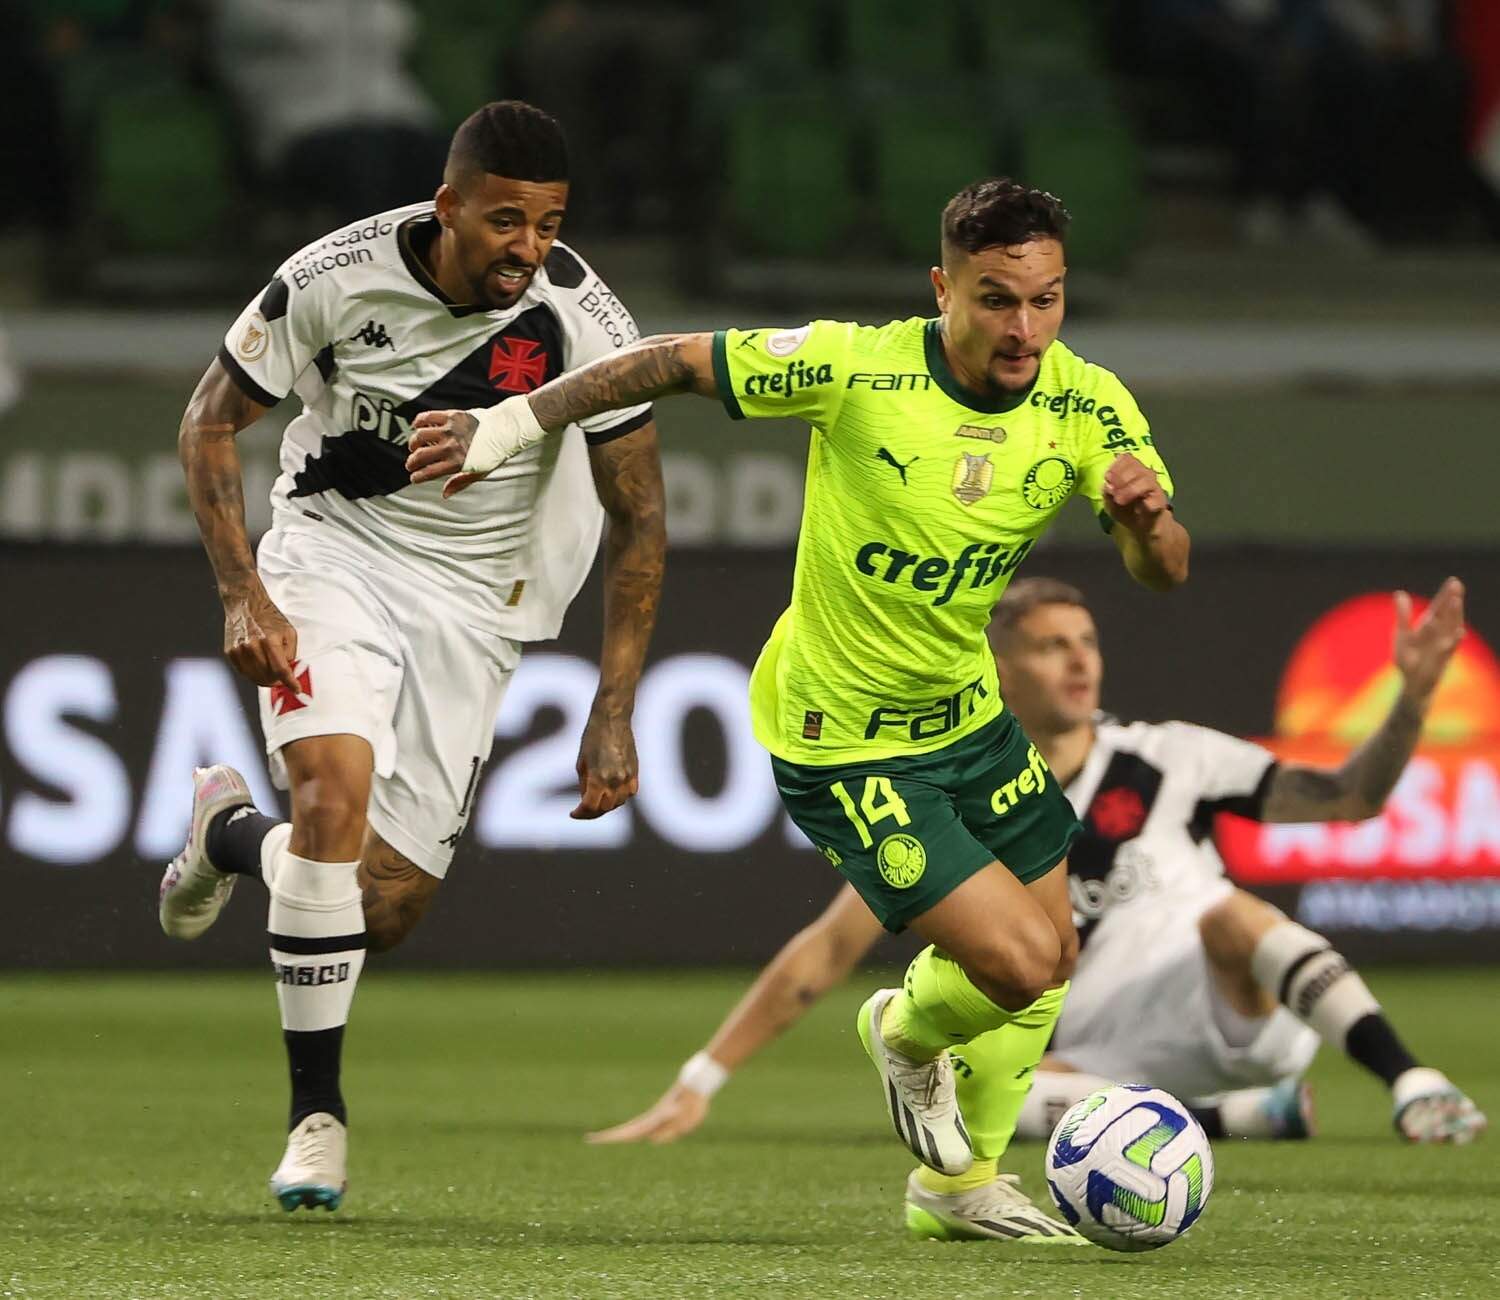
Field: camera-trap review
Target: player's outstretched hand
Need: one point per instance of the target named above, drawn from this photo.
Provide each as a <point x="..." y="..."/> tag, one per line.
<point x="1133" y="496"/>
<point x="439" y="445"/>
<point x="258" y="640"/>
<point x="1422" y="651"/>
<point x="679" y="1111"/>
<point x="608" y="771"/>
<point x="467" y="448"/>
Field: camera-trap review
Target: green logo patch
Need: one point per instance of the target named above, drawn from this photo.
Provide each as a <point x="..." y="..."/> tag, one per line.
<point x="901" y="859"/>
<point x="1048" y="483"/>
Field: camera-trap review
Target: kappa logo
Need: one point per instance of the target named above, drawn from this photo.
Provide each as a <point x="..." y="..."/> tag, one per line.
<point x="256" y="338"/>
<point x="284" y="700"/>
<point x="517" y="365"/>
<point x="451" y="841"/>
<point x="373" y="335"/>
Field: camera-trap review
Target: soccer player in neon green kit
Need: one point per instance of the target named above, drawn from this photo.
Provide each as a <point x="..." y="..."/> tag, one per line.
<point x="941" y="450"/>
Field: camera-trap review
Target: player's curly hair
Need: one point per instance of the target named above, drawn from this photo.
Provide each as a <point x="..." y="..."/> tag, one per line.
<point x="1002" y="212"/>
<point x="508" y="138"/>
<point x="1025" y="595"/>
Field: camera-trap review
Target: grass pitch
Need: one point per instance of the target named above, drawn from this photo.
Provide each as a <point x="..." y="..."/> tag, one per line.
<point x="142" y="1115"/>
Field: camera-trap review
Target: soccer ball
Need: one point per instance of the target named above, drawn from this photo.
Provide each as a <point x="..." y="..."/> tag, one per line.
<point x="1130" y="1168"/>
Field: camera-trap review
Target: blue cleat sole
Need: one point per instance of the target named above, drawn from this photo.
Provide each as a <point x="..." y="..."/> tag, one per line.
<point x="309" y="1197"/>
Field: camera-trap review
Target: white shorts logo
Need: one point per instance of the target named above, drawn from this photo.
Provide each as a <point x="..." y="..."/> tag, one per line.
<point x="784" y="342"/>
<point x="255" y="340"/>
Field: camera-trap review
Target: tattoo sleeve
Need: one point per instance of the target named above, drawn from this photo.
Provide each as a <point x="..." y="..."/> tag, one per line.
<point x="627" y="475"/>
<point x="1361" y="786"/>
<point x="654" y="367"/>
<point x="217" y="411"/>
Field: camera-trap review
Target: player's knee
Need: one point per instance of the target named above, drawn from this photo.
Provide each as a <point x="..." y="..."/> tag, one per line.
<point x="1067" y="939"/>
<point x="1230" y="929"/>
<point x="1019" y="967"/>
<point x="328" y="818"/>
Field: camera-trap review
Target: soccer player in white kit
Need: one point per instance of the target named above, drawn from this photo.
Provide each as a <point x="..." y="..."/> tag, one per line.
<point x="1183" y="981"/>
<point x="381" y="622"/>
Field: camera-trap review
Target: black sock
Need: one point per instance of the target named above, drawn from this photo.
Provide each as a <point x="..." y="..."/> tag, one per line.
<point x="1209" y="1117"/>
<point x="1373" y="1043"/>
<point x="314" y="1059"/>
<point x="234" y="837"/>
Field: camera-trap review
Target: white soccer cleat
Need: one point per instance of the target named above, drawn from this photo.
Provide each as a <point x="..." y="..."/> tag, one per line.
<point x="1430" y="1109"/>
<point x="998" y="1211"/>
<point x="312" y="1172"/>
<point x="193" y="891"/>
<point x="919" y="1094"/>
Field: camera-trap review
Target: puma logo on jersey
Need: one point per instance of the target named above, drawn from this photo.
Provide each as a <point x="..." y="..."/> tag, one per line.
<point x="895" y="464"/>
<point x="373" y="336"/>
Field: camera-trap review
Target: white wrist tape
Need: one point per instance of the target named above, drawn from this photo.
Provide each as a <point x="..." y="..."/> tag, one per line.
<point x="702" y="1074"/>
<point x="503" y="432"/>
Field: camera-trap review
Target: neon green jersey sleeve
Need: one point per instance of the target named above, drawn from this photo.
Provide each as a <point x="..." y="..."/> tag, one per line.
<point x="1118" y="427"/>
<point x="770" y="373"/>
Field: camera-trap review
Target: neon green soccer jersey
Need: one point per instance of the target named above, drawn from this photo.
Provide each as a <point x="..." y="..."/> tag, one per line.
<point x="922" y="500"/>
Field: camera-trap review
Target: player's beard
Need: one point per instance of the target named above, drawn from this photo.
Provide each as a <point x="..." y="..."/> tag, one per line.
<point x="1002" y="386"/>
<point x="500" y="300"/>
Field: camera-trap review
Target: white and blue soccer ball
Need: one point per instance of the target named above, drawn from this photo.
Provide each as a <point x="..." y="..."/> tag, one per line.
<point x="1130" y="1168"/>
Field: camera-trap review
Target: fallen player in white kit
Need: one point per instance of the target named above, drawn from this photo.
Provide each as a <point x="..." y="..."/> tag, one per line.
<point x="1184" y="981"/>
<point x="382" y="622"/>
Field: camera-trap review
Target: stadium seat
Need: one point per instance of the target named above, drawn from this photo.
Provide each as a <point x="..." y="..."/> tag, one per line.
<point x="787" y="161"/>
<point x="1059" y="31"/>
<point x="458" y="51"/>
<point x="922" y="157"/>
<point x="1082" y="149"/>
<point x="883" y="39"/>
<point x="780" y="40"/>
<point x="162" y="168"/>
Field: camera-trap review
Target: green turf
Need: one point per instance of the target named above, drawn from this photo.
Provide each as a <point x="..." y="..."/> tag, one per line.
<point x="141" y="1116"/>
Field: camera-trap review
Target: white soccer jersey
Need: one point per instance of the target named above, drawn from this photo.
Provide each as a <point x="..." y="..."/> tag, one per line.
<point x="1147" y="797"/>
<point x="356" y="326"/>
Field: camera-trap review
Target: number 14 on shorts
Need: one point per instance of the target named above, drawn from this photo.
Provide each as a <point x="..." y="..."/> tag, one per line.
<point x="878" y="802"/>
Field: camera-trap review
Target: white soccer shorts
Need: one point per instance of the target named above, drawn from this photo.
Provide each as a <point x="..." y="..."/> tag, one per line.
<point x="1143" y="1008"/>
<point x="379" y="657"/>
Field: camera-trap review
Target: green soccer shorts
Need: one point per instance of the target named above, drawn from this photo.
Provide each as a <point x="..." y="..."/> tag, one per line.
<point x="906" y="832"/>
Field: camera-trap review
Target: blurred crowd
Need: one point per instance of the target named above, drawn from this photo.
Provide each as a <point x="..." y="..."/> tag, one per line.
<point x="1357" y="119"/>
<point x="143" y="121"/>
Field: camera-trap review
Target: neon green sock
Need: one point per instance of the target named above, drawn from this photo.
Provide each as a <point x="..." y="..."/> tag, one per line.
<point x="977" y="1175"/>
<point x="994" y="1071"/>
<point x="938" y="1007"/>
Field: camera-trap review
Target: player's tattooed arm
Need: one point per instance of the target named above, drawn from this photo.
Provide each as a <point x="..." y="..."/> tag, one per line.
<point x="627" y="476"/>
<point x="660" y="366"/>
<point x="258" y="640"/>
<point x="1360" y="786"/>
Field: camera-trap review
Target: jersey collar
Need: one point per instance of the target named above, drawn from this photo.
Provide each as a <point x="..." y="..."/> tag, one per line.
<point x="420" y="231"/>
<point x="937" y="366"/>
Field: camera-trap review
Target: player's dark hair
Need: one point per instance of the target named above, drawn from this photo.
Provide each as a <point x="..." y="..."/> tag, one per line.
<point x="1025" y="595"/>
<point x="508" y="138"/>
<point x="1001" y="212"/>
